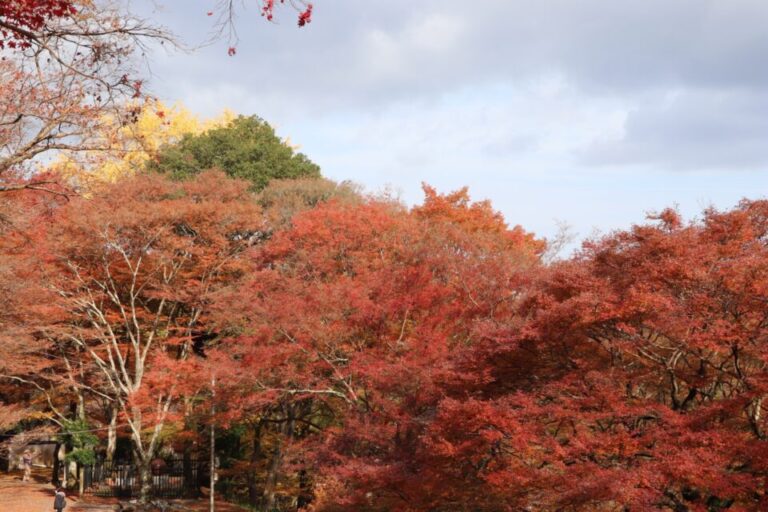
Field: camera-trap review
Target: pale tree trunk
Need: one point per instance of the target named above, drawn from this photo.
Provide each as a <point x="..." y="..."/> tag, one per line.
<point x="754" y="411"/>
<point x="72" y="470"/>
<point x="78" y="468"/>
<point x="142" y="456"/>
<point x="212" y="484"/>
<point x="145" y="480"/>
<point x="112" y="434"/>
<point x="145" y="449"/>
<point x="81" y="405"/>
<point x="62" y="454"/>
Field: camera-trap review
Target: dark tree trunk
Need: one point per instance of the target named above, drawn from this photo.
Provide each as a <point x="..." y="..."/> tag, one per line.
<point x="254" y="494"/>
<point x="277" y="459"/>
<point x="190" y="481"/>
<point x="55" y="480"/>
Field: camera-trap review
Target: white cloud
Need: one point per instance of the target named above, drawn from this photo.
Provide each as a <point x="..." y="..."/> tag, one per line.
<point x="436" y="33"/>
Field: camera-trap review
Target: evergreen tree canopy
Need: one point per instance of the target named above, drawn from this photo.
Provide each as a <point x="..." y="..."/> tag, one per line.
<point x="247" y="148"/>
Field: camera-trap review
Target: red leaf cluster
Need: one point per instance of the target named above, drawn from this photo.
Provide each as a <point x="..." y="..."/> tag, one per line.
<point x="268" y="11"/>
<point x="19" y="19"/>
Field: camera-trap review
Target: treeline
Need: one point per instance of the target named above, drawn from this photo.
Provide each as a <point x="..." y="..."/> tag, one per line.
<point x="356" y="354"/>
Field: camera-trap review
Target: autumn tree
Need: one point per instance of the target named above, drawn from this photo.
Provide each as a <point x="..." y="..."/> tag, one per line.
<point x="124" y="149"/>
<point x="130" y="273"/>
<point x="423" y="360"/>
<point x="22" y="213"/>
<point x="660" y="398"/>
<point x="356" y="329"/>
<point x="247" y="148"/>
<point x="459" y="210"/>
<point x="24" y="23"/>
<point x="65" y="65"/>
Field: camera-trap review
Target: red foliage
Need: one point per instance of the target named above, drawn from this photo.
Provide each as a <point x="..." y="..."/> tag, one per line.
<point x="125" y="278"/>
<point x="369" y="314"/>
<point x="475" y="217"/>
<point x="268" y="11"/>
<point x="305" y="16"/>
<point x="419" y="359"/>
<point x="443" y="368"/>
<point x="669" y="320"/>
<point x="19" y="19"/>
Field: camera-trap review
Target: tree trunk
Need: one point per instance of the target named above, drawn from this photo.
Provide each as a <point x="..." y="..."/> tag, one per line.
<point x="142" y="457"/>
<point x="80" y="406"/>
<point x="754" y="411"/>
<point x="268" y="496"/>
<point x="305" y="490"/>
<point x="62" y="456"/>
<point x="277" y="460"/>
<point x="80" y="479"/>
<point x="56" y="465"/>
<point x="254" y="495"/>
<point x="72" y="470"/>
<point x="145" y="480"/>
<point x="190" y="482"/>
<point x="212" y="484"/>
<point x="112" y="434"/>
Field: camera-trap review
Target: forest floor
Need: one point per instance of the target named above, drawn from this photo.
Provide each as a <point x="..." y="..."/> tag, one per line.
<point x="37" y="496"/>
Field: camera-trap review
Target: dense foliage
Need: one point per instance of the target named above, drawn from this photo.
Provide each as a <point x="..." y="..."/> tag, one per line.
<point x="368" y="356"/>
<point x="247" y="148"/>
<point x="20" y="19"/>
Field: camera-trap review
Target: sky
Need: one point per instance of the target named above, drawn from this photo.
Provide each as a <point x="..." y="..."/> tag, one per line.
<point x="590" y="113"/>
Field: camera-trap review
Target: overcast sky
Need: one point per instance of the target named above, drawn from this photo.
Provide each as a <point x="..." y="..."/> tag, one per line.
<point x="591" y="112"/>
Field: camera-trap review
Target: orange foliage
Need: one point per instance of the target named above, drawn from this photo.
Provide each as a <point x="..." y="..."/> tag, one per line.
<point x="475" y="217"/>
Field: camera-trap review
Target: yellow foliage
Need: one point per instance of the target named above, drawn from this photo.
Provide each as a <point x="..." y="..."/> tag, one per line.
<point x="125" y="148"/>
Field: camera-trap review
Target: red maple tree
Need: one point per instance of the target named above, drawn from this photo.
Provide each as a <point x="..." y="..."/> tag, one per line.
<point x="660" y="330"/>
<point x="127" y="277"/>
<point x="359" y="319"/>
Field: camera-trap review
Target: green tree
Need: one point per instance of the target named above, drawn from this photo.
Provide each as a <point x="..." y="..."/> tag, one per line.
<point x="80" y="441"/>
<point x="247" y="148"/>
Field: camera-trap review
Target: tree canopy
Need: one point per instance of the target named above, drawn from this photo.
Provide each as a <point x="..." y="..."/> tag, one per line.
<point x="247" y="148"/>
<point x="363" y="355"/>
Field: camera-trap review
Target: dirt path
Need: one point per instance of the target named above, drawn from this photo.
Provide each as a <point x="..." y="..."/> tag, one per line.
<point x="37" y="496"/>
<point x="18" y="496"/>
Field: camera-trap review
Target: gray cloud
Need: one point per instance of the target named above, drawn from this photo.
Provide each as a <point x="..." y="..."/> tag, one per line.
<point x="388" y="48"/>
<point x="706" y="55"/>
<point x="692" y="131"/>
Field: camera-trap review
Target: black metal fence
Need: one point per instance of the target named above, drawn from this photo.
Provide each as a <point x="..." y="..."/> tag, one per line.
<point x="170" y="478"/>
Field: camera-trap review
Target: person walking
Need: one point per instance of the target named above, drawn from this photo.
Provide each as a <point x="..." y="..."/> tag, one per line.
<point x="26" y="464"/>
<point x="59" y="500"/>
